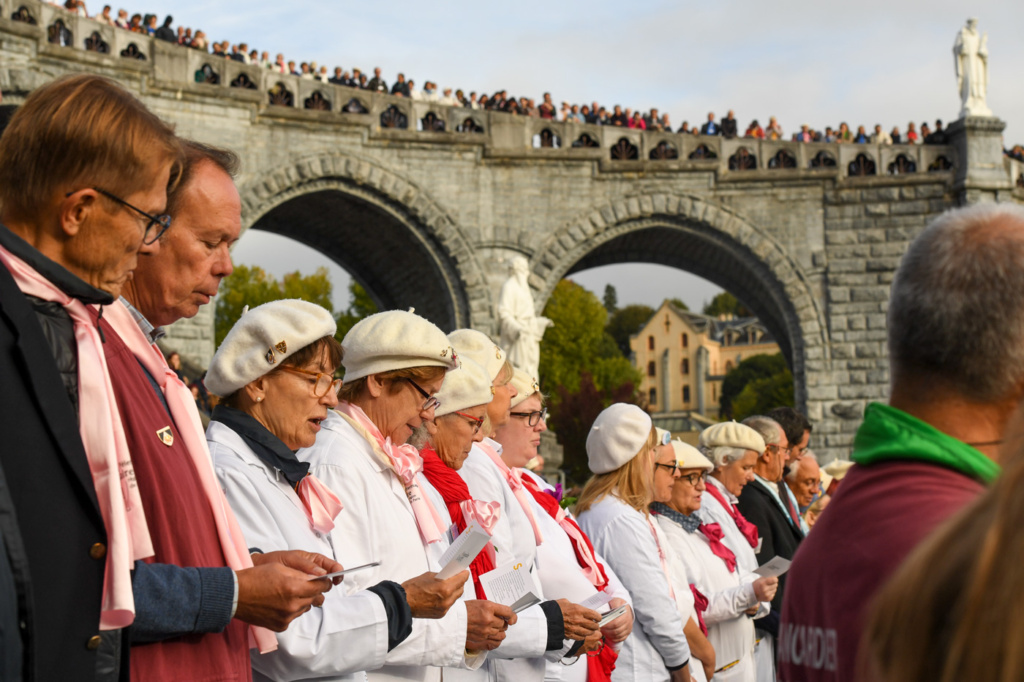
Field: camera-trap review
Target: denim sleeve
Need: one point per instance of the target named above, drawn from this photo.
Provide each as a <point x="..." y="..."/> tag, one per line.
<point x="171" y="601"/>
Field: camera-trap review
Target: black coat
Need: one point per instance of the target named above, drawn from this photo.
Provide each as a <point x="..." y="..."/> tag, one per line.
<point x="728" y="127"/>
<point x="778" y="538"/>
<point x="54" y="498"/>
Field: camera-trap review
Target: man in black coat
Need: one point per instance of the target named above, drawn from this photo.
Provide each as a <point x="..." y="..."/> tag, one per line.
<point x="728" y="126"/>
<point x="766" y="503"/>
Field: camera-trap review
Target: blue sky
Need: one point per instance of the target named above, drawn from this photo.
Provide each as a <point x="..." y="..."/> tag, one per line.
<point x="802" y="61"/>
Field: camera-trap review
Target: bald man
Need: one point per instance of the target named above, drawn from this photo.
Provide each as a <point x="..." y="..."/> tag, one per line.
<point x="803" y="480"/>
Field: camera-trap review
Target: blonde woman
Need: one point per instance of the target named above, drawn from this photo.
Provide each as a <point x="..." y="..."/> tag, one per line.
<point x="612" y="511"/>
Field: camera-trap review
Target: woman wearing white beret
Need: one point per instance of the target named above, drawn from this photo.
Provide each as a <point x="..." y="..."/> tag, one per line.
<point x="542" y="630"/>
<point x="458" y="423"/>
<point x="727" y="595"/>
<point x="395" y="362"/>
<point x="612" y="510"/>
<point x="274" y="372"/>
<point x="567" y="564"/>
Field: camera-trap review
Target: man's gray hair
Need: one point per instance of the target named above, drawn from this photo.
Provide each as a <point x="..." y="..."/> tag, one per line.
<point x="766" y="427"/>
<point x="956" y="312"/>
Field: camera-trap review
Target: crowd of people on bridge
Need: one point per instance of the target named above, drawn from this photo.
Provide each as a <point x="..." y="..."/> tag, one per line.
<point x="136" y="544"/>
<point x="500" y="100"/>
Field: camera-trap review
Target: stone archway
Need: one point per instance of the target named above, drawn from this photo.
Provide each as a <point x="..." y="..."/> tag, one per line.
<point x="389" y="233"/>
<point x="710" y="241"/>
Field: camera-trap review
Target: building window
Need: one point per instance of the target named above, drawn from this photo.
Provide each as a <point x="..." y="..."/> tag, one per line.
<point x="651" y="369"/>
<point x="686" y="365"/>
<point x="686" y="341"/>
<point x="652" y="396"/>
<point x="728" y="366"/>
<point x="714" y="392"/>
<point x="650" y="343"/>
<point x="686" y="394"/>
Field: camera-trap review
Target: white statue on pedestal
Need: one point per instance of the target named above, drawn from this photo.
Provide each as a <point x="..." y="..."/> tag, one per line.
<point x="970" y="55"/>
<point x="521" y="327"/>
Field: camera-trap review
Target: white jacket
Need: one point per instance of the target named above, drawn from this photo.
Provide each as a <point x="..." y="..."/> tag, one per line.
<point x="377" y="524"/>
<point x="521" y="656"/>
<point x="349" y="633"/>
<point x="729" y="595"/>
<point x="624" y="537"/>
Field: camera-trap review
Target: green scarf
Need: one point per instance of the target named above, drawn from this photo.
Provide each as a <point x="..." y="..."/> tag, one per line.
<point x="888" y="434"/>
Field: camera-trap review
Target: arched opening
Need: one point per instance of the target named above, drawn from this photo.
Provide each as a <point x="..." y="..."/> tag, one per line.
<point x="380" y="243"/>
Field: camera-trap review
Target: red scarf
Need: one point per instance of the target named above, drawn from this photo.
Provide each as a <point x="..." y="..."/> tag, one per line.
<point x="599" y="665"/>
<point x="748" y="529"/>
<point x="700" y="605"/>
<point x="581" y="546"/>
<point x="713" y="532"/>
<point x="455" y="492"/>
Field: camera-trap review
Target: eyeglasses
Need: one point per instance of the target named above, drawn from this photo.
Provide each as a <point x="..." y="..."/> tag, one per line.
<point x="323" y="382"/>
<point x="778" y="448"/>
<point x="163" y="222"/>
<point x="694" y="479"/>
<point x="532" y="418"/>
<point x="672" y="468"/>
<point x="477" y="422"/>
<point x="430" y="402"/>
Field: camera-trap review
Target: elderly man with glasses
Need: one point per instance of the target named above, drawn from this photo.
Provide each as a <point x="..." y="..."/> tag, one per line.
<point x="767" y="504"/>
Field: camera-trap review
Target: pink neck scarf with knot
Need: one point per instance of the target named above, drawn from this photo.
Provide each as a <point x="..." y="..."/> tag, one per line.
<point x="186" y="417"/>
<point x="99" y="424"/>
<point x="745" y="527"/>
<point x="319" y="502"/>
<point x="713" y="532"/>
<point x="406" y="462"/>
<point x="485" y="515"/>
<point x="514" y="478"/>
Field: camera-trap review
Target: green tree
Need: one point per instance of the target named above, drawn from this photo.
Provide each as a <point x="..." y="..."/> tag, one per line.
<point x="678" y="302"/>
<point x="726" y="304"/>
<point x="761" y="395"/>
<point x="626" y="322"/>
<point x="611" y="299"/>
<point x="360" y="305"/>
<point x="754" y="368"/>
<point x="252" y="286"/>
<point x="578" y="341"/>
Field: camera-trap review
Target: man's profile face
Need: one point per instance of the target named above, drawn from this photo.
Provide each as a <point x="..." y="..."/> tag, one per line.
<point x="193" y="256"/>
<point x="797" y="451"/>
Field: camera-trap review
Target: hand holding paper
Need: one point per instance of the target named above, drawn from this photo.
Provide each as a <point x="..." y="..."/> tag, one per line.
<point x="774" y="568"/>
<point x="507" y="585"/>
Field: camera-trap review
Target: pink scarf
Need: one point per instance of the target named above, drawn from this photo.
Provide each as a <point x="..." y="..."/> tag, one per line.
<point x="406" y="462"/>
<point x="514" y="478"/>
<point x="190" y="428"/>
<point x="713" y="533"/>
<point x="662" y="557"/>
<point x="319" y="502"/>
<point x="745" y="527"/>
<point x="99" y="424"/>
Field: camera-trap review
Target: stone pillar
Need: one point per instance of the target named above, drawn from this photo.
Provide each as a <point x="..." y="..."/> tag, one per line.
<point x="980" y="169"/>
<point x="701" y="372"/>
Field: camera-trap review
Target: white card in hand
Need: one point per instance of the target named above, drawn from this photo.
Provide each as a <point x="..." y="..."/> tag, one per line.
<point x="612" y="615"/>
<point x="773" y="568"/>
<point x="508" y="585"/>
<point x="347" y="570"/>
<point x="596" y="601"/>
<point x="461" y="553"/>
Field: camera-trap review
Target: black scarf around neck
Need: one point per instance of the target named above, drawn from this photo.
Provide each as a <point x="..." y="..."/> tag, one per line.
<point x="266" y="445"/>
<point x="689" y="523"/>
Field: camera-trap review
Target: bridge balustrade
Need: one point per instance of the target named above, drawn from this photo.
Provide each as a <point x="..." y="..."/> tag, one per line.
<point x="502" y="134"/>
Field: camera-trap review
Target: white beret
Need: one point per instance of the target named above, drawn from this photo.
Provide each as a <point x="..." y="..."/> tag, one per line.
<point x="525" y="386"/>
<point x="262" y="338"/>
<point x="478" y="347"/>
<point x="733" y="435"/>
<point x="663" y="436"/>
<point x="465" y="387"/>
<point x="689" y="457"/>
<point x="618" y="434"/>
<point x="395" y="339"/>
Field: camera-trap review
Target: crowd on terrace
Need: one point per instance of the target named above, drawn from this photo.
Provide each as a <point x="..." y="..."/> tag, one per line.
<point x="593" y="113"/>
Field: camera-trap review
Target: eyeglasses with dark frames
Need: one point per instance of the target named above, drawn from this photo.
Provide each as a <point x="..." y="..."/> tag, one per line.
<point x="694" y="479"/>
<point x="322" y="383"/>
<point x="532" y="418"/>
<point x="671" y="468"/>
<point x="477" y="422"/>
<point x="163" y="222"/>
<point x="430" y="402"/>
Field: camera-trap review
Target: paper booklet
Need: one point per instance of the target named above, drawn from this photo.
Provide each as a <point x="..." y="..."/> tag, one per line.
<point x="773" y="568"/>
<point x="460" y="554"/>
<point x="508" y="585"/>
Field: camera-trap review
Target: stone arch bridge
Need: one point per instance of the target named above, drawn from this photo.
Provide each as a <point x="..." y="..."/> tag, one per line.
<point x="424" y="204"/>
